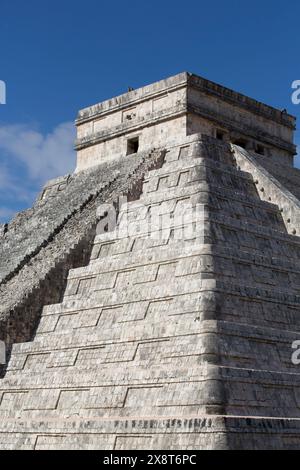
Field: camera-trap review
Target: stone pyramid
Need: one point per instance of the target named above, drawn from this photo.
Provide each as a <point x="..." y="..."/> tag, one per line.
<point x="173" y="328"/>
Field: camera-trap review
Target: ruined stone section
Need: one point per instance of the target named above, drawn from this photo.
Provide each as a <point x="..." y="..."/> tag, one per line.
<point x="166" y="112"/>
<point x="41" y="245"/>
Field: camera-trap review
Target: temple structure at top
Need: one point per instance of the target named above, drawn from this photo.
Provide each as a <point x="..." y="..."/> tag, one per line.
<point x="167" y="111"/>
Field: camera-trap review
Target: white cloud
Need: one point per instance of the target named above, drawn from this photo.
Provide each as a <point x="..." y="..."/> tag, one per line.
<point x="28" y="158"/>
<point x="44" y="156"/>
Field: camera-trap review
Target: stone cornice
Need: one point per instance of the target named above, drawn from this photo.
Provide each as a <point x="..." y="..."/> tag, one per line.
<point x="171" y="113"/>
<point x="185" y="80"/>
<point x="235" y="126"/>
<point x="241" y="101"/>
<point x="136" y="125"/>
<point x="132" y="98"/>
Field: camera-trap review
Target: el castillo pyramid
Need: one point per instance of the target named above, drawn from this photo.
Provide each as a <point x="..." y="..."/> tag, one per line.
<point x="172" y="328"/>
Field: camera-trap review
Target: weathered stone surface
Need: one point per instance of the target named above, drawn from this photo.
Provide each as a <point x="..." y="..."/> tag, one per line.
<point x="178" y="340"/>
<point x="165" y="112"/>
<point x="40" y="245"/>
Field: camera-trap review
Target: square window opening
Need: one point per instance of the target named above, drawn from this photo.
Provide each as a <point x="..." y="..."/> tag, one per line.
<point x="220" y="135"/>
<point x="132" y="146"/>
<point x="241" y="143"/>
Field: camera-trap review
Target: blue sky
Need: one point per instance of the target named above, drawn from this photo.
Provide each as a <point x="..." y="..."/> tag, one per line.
<point x="59" y="56"/>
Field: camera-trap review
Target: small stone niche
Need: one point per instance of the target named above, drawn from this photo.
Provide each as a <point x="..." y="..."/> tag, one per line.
<point x="220" y="135"/>
<point x="132" y="145"/>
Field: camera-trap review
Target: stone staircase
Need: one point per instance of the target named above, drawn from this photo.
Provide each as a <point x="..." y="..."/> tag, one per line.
<point x="178" y="340"/>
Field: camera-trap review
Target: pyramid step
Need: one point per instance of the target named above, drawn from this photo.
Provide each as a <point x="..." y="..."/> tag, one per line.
<point x="215" y="189"/>
<point x="77" y="433"/>
<point x="178" y="325"/>
<point x="62" y="316"/>
<point x="196" y="171"/>
<point x="174" y="169"/>
<point x="243" y="392"/>
<point x="193" y="198"/>
<point x="211" y="174"/>
<point x="214" y="432"/>
<point x="155" y="275"/>
<point x="233" y="344"/>
<point x="103" y="402"/>
<point x="139" y="355"/>
<point x="66" y="378"/>
<point x="142" y="267"/>
<point x="251" y="236"/>
<point x="174" y="215"/>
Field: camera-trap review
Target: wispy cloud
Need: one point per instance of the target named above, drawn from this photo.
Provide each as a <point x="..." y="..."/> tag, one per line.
<point x="28" y="158"/>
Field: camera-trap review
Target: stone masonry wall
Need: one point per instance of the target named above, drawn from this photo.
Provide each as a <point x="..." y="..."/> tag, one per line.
<point x="164" y="113"/>
<point x="181" y="340"/>
<point x="55" y="236"/>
